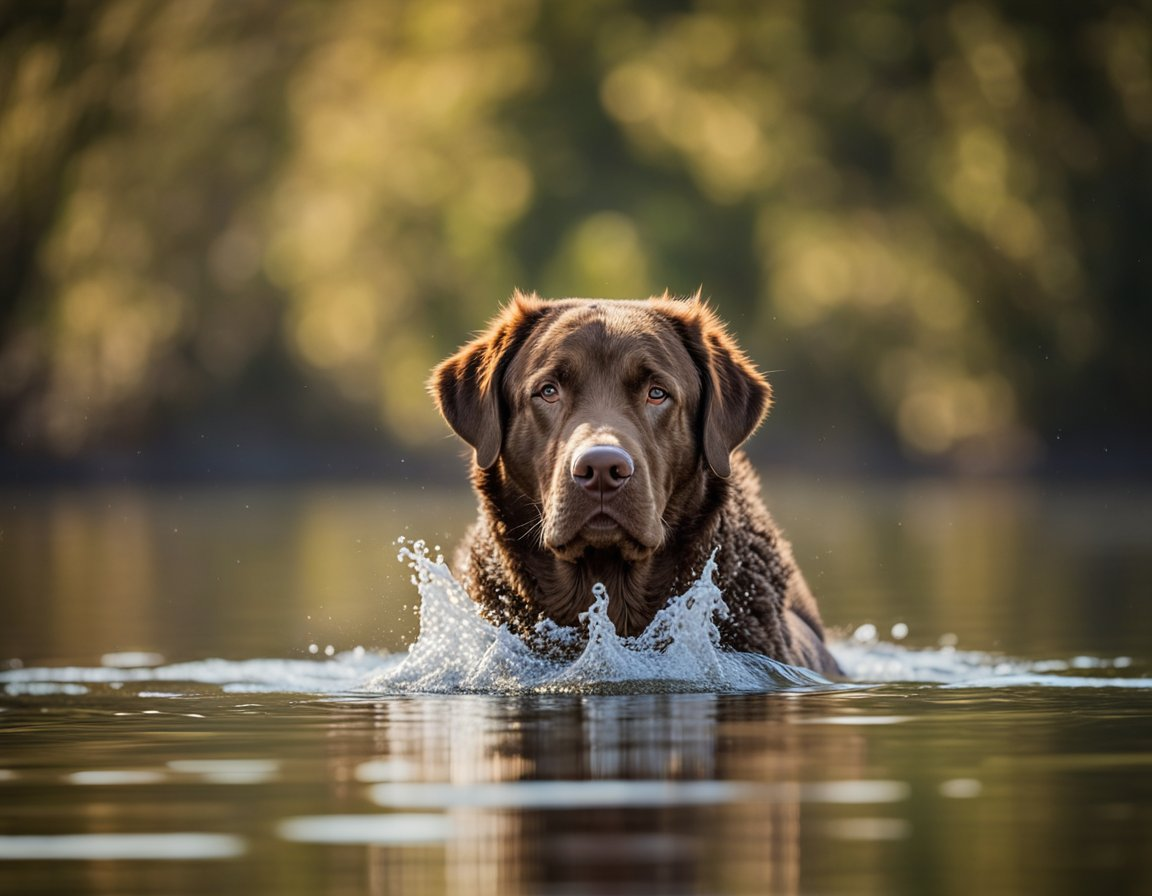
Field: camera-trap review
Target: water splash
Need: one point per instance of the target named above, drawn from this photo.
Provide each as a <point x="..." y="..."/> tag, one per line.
<point x="864" y="657"/>
<point x="458" y="650"/>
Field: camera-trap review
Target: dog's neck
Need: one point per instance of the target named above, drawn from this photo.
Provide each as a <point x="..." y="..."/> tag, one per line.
<point x="561" y="589"/>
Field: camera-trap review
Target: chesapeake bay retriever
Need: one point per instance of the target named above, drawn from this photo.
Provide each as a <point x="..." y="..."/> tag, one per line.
<point x="606" y="437"/>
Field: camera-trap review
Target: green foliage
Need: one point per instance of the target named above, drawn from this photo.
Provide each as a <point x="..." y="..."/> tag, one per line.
<point x="933" y="217"/>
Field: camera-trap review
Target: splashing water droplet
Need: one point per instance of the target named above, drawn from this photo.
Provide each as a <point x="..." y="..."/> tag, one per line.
<point x="459" y="650"/>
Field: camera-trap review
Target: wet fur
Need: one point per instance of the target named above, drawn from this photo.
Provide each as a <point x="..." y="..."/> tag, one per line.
<point x="699" y="484"/>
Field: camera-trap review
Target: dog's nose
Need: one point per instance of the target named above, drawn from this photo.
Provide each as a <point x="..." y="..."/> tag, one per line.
<point x="602" y="468"/>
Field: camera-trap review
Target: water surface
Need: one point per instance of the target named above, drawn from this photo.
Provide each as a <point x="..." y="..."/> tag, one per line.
<point x="193" y="702"/>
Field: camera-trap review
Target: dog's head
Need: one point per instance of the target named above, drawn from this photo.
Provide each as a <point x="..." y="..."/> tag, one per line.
<point x="607" y="415"/>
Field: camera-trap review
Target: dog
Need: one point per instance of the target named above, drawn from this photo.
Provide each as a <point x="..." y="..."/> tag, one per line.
<point x="606" y="449"/>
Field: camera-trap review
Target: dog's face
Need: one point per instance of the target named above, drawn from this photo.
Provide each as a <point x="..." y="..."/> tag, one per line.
<point x="608" y="416"/>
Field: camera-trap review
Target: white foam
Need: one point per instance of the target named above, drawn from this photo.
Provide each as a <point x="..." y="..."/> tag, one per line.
<point x="343" y="672"/>
<point x="866" y="659"/>
<point x="458" y="650"/>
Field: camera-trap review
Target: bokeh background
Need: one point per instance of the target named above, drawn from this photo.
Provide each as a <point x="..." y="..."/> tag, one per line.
<point x="235" y="236"/>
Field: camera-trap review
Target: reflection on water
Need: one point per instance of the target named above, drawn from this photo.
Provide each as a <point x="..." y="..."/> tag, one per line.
<point x="234" y="573"/>
<point x="120" y="847"/>
<point x="1026" y="570"/>
<point x="149" y="767"/>
<point x="877" y="791"/>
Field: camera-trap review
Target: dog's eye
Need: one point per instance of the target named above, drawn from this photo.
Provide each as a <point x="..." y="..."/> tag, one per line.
<point x="656" y="395"/>
<point x="549" y="392"/>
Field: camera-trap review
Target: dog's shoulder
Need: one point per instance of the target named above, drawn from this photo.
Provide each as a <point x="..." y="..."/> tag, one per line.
<point x="772" y="609"/>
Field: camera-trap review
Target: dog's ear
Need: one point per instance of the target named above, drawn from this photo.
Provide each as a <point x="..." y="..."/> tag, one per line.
<point x="735" y="397"/>
<point x="466" y="386"/>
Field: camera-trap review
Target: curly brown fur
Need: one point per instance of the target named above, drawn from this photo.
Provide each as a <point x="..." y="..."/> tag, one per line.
<point x="661" y="383"/>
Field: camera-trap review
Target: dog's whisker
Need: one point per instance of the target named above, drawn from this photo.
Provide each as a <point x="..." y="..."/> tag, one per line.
<point x="531" y="529"/>
<point x="524" y="527"/>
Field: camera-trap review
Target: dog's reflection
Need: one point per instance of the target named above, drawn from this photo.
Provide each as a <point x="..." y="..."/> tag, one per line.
<point x="658" y="793"/>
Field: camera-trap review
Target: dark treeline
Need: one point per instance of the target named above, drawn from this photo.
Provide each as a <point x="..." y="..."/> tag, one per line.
<point x="930" y="220"/>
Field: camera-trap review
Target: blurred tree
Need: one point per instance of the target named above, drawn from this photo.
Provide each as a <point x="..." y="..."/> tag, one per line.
<point x="933" y="218"/>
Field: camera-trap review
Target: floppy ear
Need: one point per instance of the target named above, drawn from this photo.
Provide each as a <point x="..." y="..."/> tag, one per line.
<point x="736" y="400"/>
<point x="466" y="386"/>
<point x="735" y="396"/>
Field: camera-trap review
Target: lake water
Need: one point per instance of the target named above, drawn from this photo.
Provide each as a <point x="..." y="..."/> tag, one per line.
<point x="209" y="690"/>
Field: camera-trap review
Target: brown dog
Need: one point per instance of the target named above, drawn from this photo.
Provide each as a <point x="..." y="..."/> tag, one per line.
<point x="605" y="437"/>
